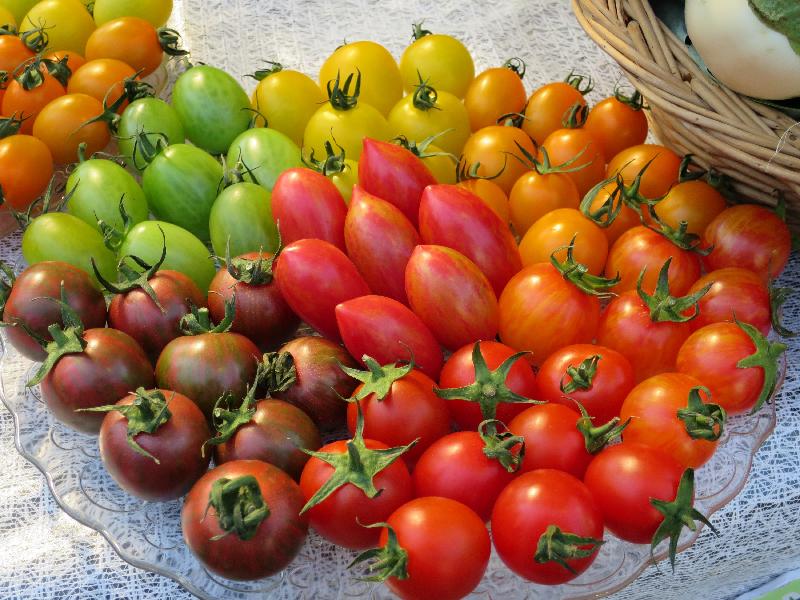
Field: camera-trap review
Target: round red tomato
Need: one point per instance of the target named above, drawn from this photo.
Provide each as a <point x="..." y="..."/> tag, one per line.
<point x="734" y="293"/>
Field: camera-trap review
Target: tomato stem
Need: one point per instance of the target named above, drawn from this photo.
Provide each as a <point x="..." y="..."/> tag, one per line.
<point x="578" y="274"/>
<point x="425" y="96"/>
<point x="339" y="95"/>
<point x="703" y="421"/>
<point x="664" y="307"/>
<point x="500" y="446"/>
<point x="171" y="41"/>
<point x="597" y="438"/>
<point x="389" y="561"/>
<point x="559" y="546"/>
<point x="777" y="298"/>
<point x="418" y="32"/>
<point x="377" y="379"/>
<point x="272" y="68"/>
<point x="517" y="65"/>
<point x="580" y="377"/>
<point x="583" y="83"/>
<point x="198" y="320"/>
<point x="239" y="505"/>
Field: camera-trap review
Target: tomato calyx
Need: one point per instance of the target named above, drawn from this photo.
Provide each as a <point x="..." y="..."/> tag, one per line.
<point x="425" y="96"/>
<point x="36" y="39"/>
<point x="417" y="32"/>
<point x="261" y="74"/>
<point x="147" y="150"/>
<point x="544" y="166"/>
<point x="10" y="125"/>
<point x="517" y="65"/>
<point x="634" y="101"/>
<point x="59" y="69"/>
<point x="664" y="307"/>
<point x="580" y="377"/>
<point x="198" y="320"/>
<point x="578" y="273"/>
<point x="332" y="164"/>
<point x="113" y="237"/>
<point x="465" y="171"/>
<point x="358" y="466"/>
<point x="680" y="236"/>
<point x="132" y="89"/>
<point x="678" y="514"/>
<point x="239" y="506"/>
<point x="766" y="357"/>
<point x="170" y="41"/>
<point x="703" y="420"/>
<point x="389" y="561"/>
<point x="499" y="445"/>
<point x="575" y="116"/>
<point x="377" y="379"/>
<point x="691" y="171"/>
<point x="420" y="149"/>
<point x="583" y="83"/>
<point x="276" y="372"/>
<point x="559" y="546"/>
<point x="30" y="77"/>
<point x="777" y="298"/>
<point x="489" y="388"/>
<point x="622" y="195"/>
<point x="339" y="95"/>
<point x="597" y="438"/>
<point x="252" y="271"/>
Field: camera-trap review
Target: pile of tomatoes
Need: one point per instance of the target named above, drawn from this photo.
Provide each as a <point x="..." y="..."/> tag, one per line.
<point x="487" y="288"/>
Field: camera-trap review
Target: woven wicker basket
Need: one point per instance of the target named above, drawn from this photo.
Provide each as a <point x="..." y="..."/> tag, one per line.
<point x="756" y="146"/>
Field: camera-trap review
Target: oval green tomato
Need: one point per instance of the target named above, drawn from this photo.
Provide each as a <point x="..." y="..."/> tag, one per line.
<point x="67" y="23"/>
<point x="181" y="185"/>
<point x="243" y="215"/>
<point x="185" y="253"/>
<point x="264" y="154"/>
<point x="212" y="106"/>
<point x="97" y="186"/>
<point x="155" y="11"/>
<point x="411" y="118"/>
<point x="155" y="118"/>
<point x="347" y="128"/>
<point x="61" y="236"/>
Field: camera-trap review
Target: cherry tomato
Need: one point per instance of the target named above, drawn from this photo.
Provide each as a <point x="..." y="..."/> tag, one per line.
<point x="617" y="124"/>
<point x="735" y="293"/>
<point x="429" y="112"/>
<point x="441" y="59"/>
<point x="67" y="22"/>
<point x="7" y="19"/>
<point x="62" y="126"/>
<point x="25" y="103"/>
<point x="13" y="53"/>
<point x="547" y="109"/>
<point x="492" y="147"/>
<point x="564" y="145"/>
<point x="626" y="219"/>
<point x="695" y="202"/>
<point x="102" y="79"/>
<point x="660" y="176"/>
<point x="534" y="195"/>
<point x="155" y="11"/>
<point x="555" y="230"/>
<point x="492" y="194"/>
<point x="493" y="94"/>
<point x="74" y="60"/>
<point x="131" y="40"/>
<point x="26" y="167"/>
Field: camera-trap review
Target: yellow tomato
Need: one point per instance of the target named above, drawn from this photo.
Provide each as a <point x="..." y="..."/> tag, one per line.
<point x="425" y="114"/>
<point x="347" y="128"/>
<point x="7" y="18"/>
<point x="67" y="22"/>
<point x="155" y="11"/>
<point x="441" y="59"/>
<point x="18" y="8"/>
<point x="442" y="164"/>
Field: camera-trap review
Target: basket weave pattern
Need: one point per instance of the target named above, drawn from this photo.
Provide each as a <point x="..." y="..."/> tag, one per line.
<point x="755" y="145"/>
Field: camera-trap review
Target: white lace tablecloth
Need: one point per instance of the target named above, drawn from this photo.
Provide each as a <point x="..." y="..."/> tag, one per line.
<point x="44" y="554"/>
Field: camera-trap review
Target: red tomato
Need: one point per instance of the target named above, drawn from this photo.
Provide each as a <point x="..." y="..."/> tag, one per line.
<point x="493" y="148"/>
<point x="26" y="167"/>
<point x="531" y="507"/>
<point x="661" y="410"/>
<point x="660" y="176"/>
<point x="695" y="202"/>
<point x="548" y="107"/>
<point x="564" y="145"/>
<point x="493" y="94"/>
<point x="751" y="237"/>
<point x="26" y="104"/>
<point x="306" y="205"/>
<point x="453" y="217"/>
<point x="617" y="123"/>
<point x="314" y="276"/>
<point x="102" y="79"/>
<point x="734" y="292"/>
<point x="599" y="384"/>
<point x="379" y="240"/>
<point x="535" y="195"/>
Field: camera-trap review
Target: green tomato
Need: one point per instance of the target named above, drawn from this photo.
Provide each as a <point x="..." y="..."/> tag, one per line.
<point x="243" y="215"/>
<point x="185" y="253"/>
<point x="347" y="128"/>
<point x="264" y="154"/>
<point x="155" y="11"/>
<point x="97" y="186"/>
<point x="151" y="116"/>
<point x="212" y="106"/>
<point x="181" y="184"/>
<point x="441" y="59"/>
<point x="419" y="116"/>
<point x="67" y="22"/>
<point x="19" y="8"/>
<point x="61" y="236"/>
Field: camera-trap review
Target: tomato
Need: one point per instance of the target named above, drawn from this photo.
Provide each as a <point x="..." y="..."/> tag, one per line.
<point x="441" y="59"/>
<point x="26" y="99"/>
<point x="618" y="123"/>
<point x="751" y="237"/>
<point x="492" y="147"/>
<point x="287" y="99"/>
<point x="669" y="411"/>
<point x="394" y="174"/>
<point x="241" y="520"/>
<point x="399" y="406"/>
<point x="73" y="60"/>
<point x="103" y="79"/>
<point x="534" y="195"/>
<point x="564" y="145"/>
<point x="537" y="511"/>
<point x="13" y="11"/>
<point x="26" y="304"/>
<point x="660" y="176"/>
<point x="7" y="20"/>
<point x="607" y="199"/>
<point x="447" y="212"/>
<point x="389" y="332"/>
<point x="514" y="382"/>
<point x="447" y="547"/>
<point x="379" y="241"/>
<point x="154" y="119"/>
<point x="150" y="444"/>
<point x="263" y="154"/>
<point x="62" y="125"/>
<point x="442" y="165"/>
<point x="734" y="294"/>
<point x="155" y="11"/>
<point x="492" y="195"/>
<point x="181" y="184"/>
<point x="307" y="205"/>
<point x="596" y="376"/>
<point x="495" y="93"/>
<point x="13" y="53"/>
<point x="382" y="84"/>
<point x="716" y="355"/>
<point x="314" y="276"/>
<point x="451" y="296"/>
<point x="242" y="217"/>
<point x="695" y="202"/>
<point x="548" y="107"/>
<point x="67" y="22"/>
<point x="131" y="40"/>
<point x="98" y="186"/>
<point x="342" y="171"/>
<point x="26" y="167"/>
<point x="212" y="106"/>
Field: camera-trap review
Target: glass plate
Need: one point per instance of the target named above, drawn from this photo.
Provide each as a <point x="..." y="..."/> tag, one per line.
<point x="148" y="535"/>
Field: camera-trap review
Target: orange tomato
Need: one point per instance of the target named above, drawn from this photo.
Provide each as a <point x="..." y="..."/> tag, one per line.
<point x="534" y="195"/>
<point x="26" y="167"/>
<point x="626" y="219"/>
<point x="102" y="79"/>
<point x="74" y="60"/>
<point x="695" y="202"/>
<point x="491" y="193"/>
<point x="131" y="40"/>
<point x="660" y="176"/>
<point x="492" y="94"/>
<point x="547" y="109"/>
<point x="617" y="124"/>
<point x="564" y="145"/>
<point x="62" y="127"/>
<point x="27" y="104"/>
<point x="492" y="147"/>
<point x="13" y="52"/>
<point x="555" y="230"/>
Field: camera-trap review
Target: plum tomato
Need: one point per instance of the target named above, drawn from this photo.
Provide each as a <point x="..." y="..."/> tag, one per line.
<point x="62" y="126"/>
<point x="241" y="219"/>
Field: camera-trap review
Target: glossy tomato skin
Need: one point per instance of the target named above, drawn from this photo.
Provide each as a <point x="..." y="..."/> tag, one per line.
<point x="442" y="60"/>
<point x="734" y="292"/>
<point x="450" y="532"/>
<point x="623" y="479"/>
<point x="204" y="367"/>
<point x="540" y="312"/>
<point x="695" y="202"/>
<point x="451" y="296"/>
<point x="616" y="126"/>
<point x="102" y="79"/>
<point x="492" y="195"/>
<point x="306" y="204"/>
<point x="660" y="176"/>
<point x="287" y="99"/>
<point x="69" y="24"/>
<point x="389" y="332"/>
<point x="448" y="120"/>
<point x="565" y="144"/>
<point x="447" y="212"/>
<point x="26" y="167"/>
<point x="129" y="39"/>
<point x="653" y="406"/>
<point x="491" y="147"/>
<point x="527" y="507"/>
<point x="266" y="153"/>
<point x="751" y="237"/>
<point x="276" y="434"/>
<point x="711" y="354"/>
<point x="27" y="103"/>
<point x="154" y="11"/>
<point x="13" y="52"/>
<point x="314" y="276"/>
<point x="394" y="174"/>
<point x="547" y="108"/>
<point x="62" y="126"/>
<point x="136" y="314"/>
<point x="534" y="195"/>
<point x="379" y="241"/>
<point x="111" y="365"/>
<point x="340" y="516"/>
<point x="242" y="217"/>
<point x="611" y="382"/>
<point x="277" y="540"/>
<point x="152" y="116"/>
<point x="262" y="314"/>
<point x="410" y="411"/>
<point x="456" y="467"/>
<point x="459" y="371"/>
<point x="321" y="384"/>
<point x="43" y="280"/>
<point x="493" y="94"/>
<point x="176" y="444"/>
<point x="650" y="347"/>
